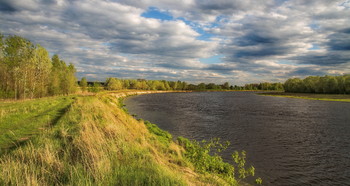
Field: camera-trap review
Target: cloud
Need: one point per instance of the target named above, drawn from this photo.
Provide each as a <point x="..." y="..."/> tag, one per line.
<point x="6" y="6"/>
<point x="340" y="40"/>
<point x="287" y="34"/>
<point x="82" y="33"/>
<point x="329" y="58"/>
<point x="301" y="71"/>
<point x="259" y="40"/>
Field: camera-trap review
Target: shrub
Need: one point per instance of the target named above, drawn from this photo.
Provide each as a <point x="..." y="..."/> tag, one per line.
<point x="206" y="159"/>
<point x="163" y="136"/>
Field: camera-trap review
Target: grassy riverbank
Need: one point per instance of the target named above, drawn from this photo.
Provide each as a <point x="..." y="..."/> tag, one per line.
<point x="91" y="140"/>
<point x="324" y="97"/>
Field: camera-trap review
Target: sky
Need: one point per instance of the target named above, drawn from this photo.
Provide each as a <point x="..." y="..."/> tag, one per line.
<point x="196" y="41"/>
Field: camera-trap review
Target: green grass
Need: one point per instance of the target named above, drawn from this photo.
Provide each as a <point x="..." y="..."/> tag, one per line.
<point x="20" y="120"/>
<point x="91" y="140"/>
<point x="91" y="144"/>
<point x="162" y="136"/>
<point x="311" y="96"/>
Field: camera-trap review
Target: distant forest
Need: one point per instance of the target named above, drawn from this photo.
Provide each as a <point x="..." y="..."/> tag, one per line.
<point x="311" y="84"/>
<point x="317" y="84"/>
<point x="27" y="71"/>
<point x="142" y="84"/>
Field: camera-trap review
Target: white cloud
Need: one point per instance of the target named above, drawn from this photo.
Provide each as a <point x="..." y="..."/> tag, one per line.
<point x="107" y="38"/>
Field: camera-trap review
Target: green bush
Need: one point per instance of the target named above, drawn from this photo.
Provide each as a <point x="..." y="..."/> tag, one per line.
<point x="206" y="159"/>
<point x="163" y="136"/>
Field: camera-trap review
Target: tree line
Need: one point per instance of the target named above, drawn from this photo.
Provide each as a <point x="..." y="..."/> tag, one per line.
<point x="27" y="71"/>
<point x="260" y="86"/>
<point x="142" y="84"/>
<point x="316" y="84"/>
<point x="138" y="84"/>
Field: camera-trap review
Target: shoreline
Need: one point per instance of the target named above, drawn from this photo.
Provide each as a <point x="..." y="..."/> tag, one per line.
<point x="165" y="135"/>
<point x="123" y="94"/>
<point x="310" y="96"/>
<point x="101" y="144"/>
<point x="93" y="140"/>
<point x="193" y="142"/>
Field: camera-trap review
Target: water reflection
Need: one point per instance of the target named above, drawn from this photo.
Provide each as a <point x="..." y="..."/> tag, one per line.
<point x="289" y="141"/>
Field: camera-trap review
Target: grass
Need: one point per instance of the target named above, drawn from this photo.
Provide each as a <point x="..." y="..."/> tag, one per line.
<point x="21" y="120"/>
<point x="163" y="137"/>
<point x="311" y="96"/>
<point x="93" y="142"/>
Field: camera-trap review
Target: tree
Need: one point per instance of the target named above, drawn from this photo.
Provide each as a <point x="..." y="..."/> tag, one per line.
<point x="126" y="84"/>
<point x="159" y="85"/>
<point x="151" y="85"/>
<point x="201" y="86"/>
<point x="67" y="78"/>
<point x="132" y="83"/>
<point x="294" y="85"/>
<point x="226" y="86"/>
<point x="96" y="87"/>
<point x="347" y="84"/>
<point x="173" y="85"/>
<point x="113" y="84"/>
<point x="184" y="86"/>
<point x="341" y="84"/>
<point x="166" y="85"/>
<point x="179" y="86"/>
<point x="331" y="85"/>
<point x="26" y="70"/>
<point x="211" y="86"/>
<point x="142" y="85"/>
<point x="72" y="80"/>
<point x="278" y="86"/>
<point x="18" y="53"/>
<point x="310" y="84"/>
<point x="55" y="77"/>
<point x="4" y="73"/>
<point x="315" y="84"/>
<point x="83" y="84"/>
<point x="42" y="68"/>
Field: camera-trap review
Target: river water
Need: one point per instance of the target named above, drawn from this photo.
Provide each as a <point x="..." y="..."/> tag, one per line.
<point x="289" y="141"/>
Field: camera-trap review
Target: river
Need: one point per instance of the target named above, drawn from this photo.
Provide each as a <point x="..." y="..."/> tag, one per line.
<point x="289" y="141"/>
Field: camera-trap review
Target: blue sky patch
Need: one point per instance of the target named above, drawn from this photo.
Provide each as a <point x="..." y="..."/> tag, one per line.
<point x="315" y="47"/>
<point x="205" y="36"/>
<point x="212" y="59"/>
<point x="155" y="13"/>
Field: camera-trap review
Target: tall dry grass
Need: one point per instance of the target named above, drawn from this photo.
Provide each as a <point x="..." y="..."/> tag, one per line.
<point x="96" y="143"/>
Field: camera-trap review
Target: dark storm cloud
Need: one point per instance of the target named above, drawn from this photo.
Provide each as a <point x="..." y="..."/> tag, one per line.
<point x="221" y="67"/>
<point x="340" y="40"/>
<point x="229" y="7"/>
<point x="306" y="71"/>
<point x="329" y="58"/>
<point x="258" y="52"/>
<point x="6" y="6"/>
<point x="256" y="38"/>
<point x="261" y="38"/>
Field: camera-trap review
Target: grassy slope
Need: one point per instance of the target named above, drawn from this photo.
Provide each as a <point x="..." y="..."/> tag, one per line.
<point x="324" y="97"/>
<point x="96" y="143"/>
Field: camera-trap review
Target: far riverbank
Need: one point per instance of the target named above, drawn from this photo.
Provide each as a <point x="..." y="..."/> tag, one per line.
<point x="311" y="96"/>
